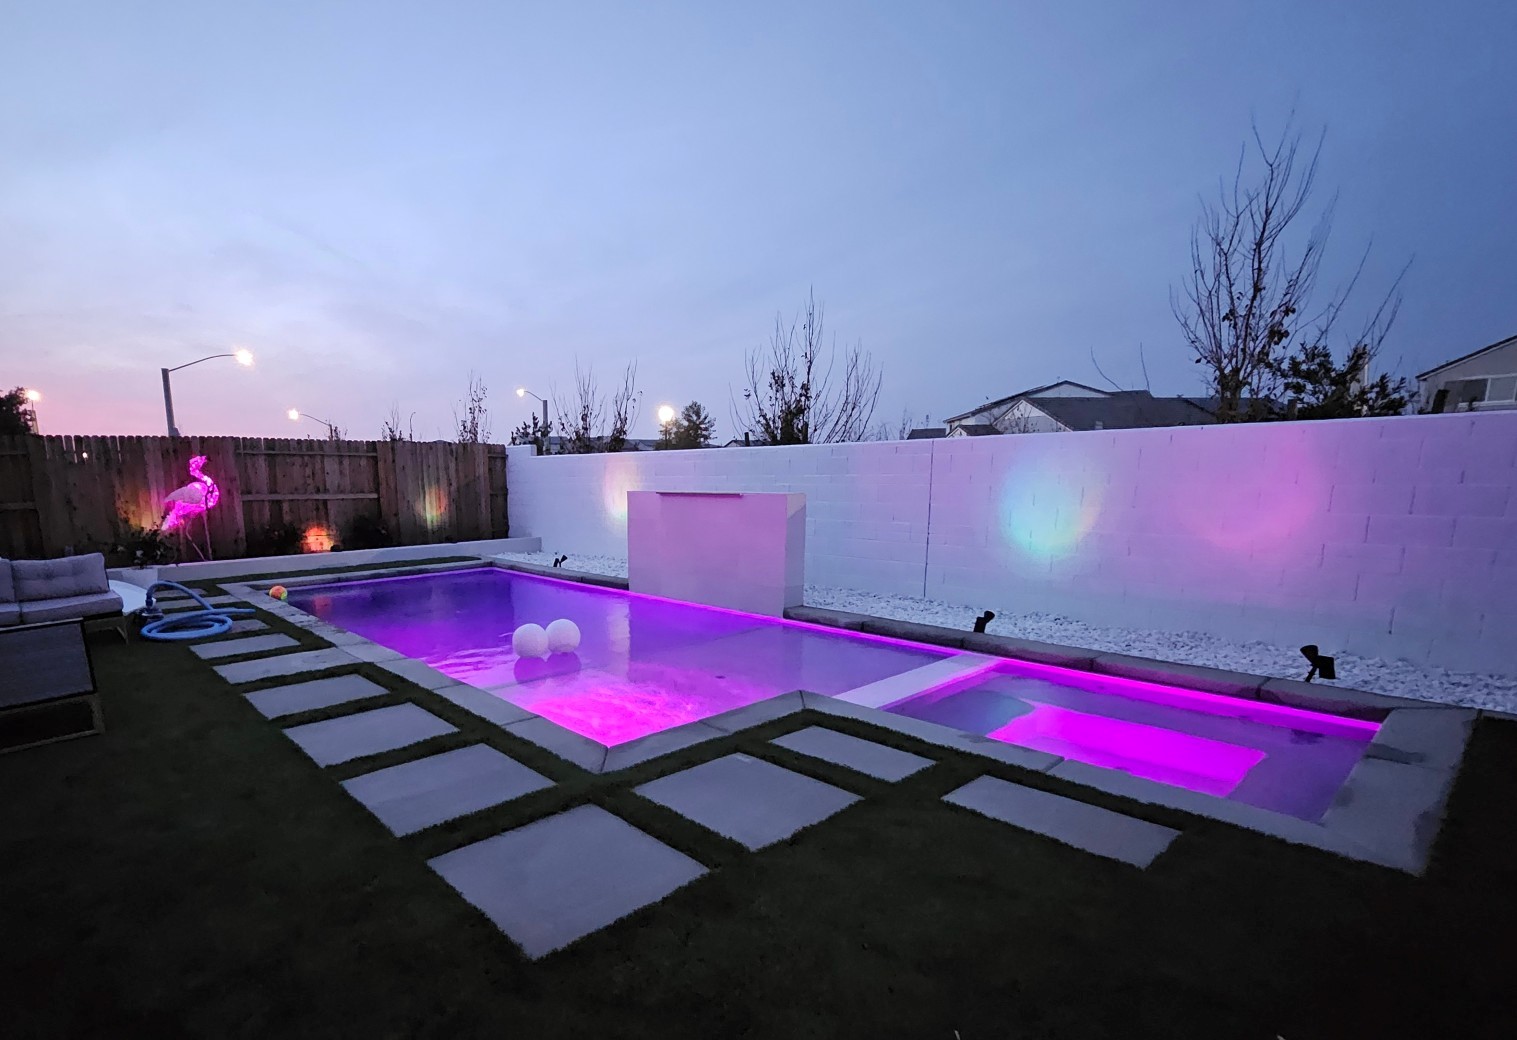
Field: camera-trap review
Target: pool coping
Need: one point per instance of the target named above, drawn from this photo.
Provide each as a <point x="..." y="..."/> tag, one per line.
<point x="1388" y="811"/>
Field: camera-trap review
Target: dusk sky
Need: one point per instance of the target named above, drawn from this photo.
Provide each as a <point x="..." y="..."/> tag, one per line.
<point x="378" y="198"/>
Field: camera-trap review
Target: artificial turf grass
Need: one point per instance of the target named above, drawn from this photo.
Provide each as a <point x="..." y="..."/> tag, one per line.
<point x="192" y="871"/>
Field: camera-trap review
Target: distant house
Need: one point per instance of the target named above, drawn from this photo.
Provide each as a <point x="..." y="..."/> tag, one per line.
<point x="1068" y="405"/>
<point x="927" y="433"/>
<point x="1476" y="382"/>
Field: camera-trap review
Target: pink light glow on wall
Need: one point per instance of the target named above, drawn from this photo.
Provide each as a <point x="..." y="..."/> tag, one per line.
<point x="192" y="499"/>
<point x="1180" y="759"/>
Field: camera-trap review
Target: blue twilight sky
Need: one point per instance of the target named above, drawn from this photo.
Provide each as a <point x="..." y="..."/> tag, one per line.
<point x="377" y="197"/>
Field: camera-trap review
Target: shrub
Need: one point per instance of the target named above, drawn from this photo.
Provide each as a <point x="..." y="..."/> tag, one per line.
<point x="277" y="539"/>
<point x="366" y="531"/>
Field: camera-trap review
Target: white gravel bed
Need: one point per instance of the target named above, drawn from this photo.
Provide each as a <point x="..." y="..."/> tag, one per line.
<point x="1392" y="677"/>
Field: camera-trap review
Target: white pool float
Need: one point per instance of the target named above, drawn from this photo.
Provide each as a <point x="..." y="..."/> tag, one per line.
<point x="563" y="636"/>
<point x="530" y="641"/>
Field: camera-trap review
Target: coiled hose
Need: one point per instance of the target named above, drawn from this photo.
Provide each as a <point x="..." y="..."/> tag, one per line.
<point x="188" y="624"/>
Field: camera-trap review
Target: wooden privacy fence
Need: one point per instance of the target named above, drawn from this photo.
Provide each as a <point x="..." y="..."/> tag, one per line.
<point x="83" y="494"/>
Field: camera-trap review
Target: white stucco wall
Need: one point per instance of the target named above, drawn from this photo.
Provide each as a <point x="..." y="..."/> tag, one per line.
<point x="1392" y="537"/>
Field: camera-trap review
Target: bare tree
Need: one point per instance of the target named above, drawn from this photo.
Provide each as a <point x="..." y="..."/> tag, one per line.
<point x="393" y="431"/>
<point x="579" y="416"/>
<point x="474" y="424"/>
<point x="800" y="392"/>
<point x="905" y="426"/>
<point x="624" y="408"/>
<point x="1248" y="300"/>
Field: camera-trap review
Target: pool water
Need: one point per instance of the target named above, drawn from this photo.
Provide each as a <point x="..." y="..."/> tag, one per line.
<point x="643" y="664"/>
<point x="1279" y="758"/>
<point x="646" y="664"/>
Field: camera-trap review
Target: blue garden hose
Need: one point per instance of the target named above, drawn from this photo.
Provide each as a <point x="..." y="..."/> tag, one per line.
<point x="189" y="624"/>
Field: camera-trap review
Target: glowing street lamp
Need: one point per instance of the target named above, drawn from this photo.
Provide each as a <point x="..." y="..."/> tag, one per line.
<point x="32" y="397"/>
<point x="243" y="357"/>
<point x="522" y="391"/>
<point x="296" y="415"/>
<point x="665" y="414"/>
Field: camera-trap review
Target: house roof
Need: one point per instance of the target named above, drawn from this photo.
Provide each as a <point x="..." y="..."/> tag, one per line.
<point x="1472" y="354"/>
<point x="929" y="433"/>
<point x="977" y="429"/>
<point x="1124" y="410"/>
<point x="1025" y="393"/>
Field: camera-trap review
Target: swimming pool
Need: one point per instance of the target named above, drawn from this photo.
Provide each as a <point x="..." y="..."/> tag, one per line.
<point x="643" y="664"/>
<point x="646" y="665"/>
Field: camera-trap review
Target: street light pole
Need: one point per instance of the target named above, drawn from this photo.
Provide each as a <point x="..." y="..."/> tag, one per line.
<point x="522" y="391"/>
<point x="243" y="357"/>
<point x="168" y="403"/>
<point x="296" y="415"/>
<point x="32" y="397"/>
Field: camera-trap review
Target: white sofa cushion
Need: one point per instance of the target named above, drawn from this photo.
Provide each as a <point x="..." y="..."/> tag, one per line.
<point x="65" y="608"/>
<point x="10" y="614"/>
<point x="7" y="583"/>
<point x="55" y="579"/>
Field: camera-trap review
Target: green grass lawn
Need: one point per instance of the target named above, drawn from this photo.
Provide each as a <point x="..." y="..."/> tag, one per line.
<point x="191" y="873"/>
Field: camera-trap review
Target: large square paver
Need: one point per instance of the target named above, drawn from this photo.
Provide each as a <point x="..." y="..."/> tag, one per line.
<point x="1084" y="826"/>
<point x="561" y="878"/>
<point x="285" y="664"/>
<point x="367" y="733"/>
<point x="245" y="645"/>
<point x="416" y="795"/>
<point x="865" y="756"/>
<point x="316" y="693"/>
<point x="747" y="799"/>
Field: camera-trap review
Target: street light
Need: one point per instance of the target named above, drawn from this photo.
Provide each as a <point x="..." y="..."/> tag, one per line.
<point x="296" y="415"/>
<point x="32" y="397"/>
<point x="522" y="391"/>
<point x="665" y="414"/>
<point x="244" y="358"/>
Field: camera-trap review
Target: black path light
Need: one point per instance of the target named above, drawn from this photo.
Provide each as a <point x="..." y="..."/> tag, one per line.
<point x="1321" y="664"/>
<point x="983" y="620"/>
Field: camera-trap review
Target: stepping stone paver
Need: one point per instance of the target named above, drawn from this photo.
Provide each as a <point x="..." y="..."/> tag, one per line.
<point x="185" y="603"/>
<point x="561" y="878"/>
<point x="415" y="795"/>
<point x="865" y="756"/>
<point x="753" y="802"/>
<point x="246" y="645"/>
<point x="249" y="624"/>
<point x="367" y="733"/>
<point x="287" y="664"/>
<point x="1087" y="827"/>
<point x="316" y="693"/>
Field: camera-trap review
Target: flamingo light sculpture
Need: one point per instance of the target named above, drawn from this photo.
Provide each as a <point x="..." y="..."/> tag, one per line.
<point x="192" y="500"/>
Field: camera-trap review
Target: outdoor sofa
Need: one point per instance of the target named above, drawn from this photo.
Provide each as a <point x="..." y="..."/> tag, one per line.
<point x="33" y="591"/>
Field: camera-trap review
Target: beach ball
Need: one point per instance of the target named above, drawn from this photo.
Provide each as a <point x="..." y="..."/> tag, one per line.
<point x="530" y="641"/>
<point x="279" y="592"/>
<point x="563" y="636"/>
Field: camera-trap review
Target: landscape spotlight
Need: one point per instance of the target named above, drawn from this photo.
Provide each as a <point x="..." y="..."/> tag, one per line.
<point x="1321" y="664"/>
<point x="983" y="620"/>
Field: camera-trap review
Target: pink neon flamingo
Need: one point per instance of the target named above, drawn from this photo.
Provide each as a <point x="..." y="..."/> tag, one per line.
<point x="192" y="499"/>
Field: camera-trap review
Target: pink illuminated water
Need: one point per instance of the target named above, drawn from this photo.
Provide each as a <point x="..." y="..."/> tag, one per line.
<point x="1197" y="763"/>
<point x="643" y="664"/>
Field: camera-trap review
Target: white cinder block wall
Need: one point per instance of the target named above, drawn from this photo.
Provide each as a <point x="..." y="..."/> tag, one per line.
<point x="1387" y="537"/>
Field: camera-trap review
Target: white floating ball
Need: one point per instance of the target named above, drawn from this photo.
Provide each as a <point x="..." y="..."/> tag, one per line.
<point x="530" y="641"/>
<point x="563" y="636"/>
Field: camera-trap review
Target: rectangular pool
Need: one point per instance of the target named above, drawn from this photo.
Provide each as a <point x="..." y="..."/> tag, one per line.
<point x="645" y="665"/>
